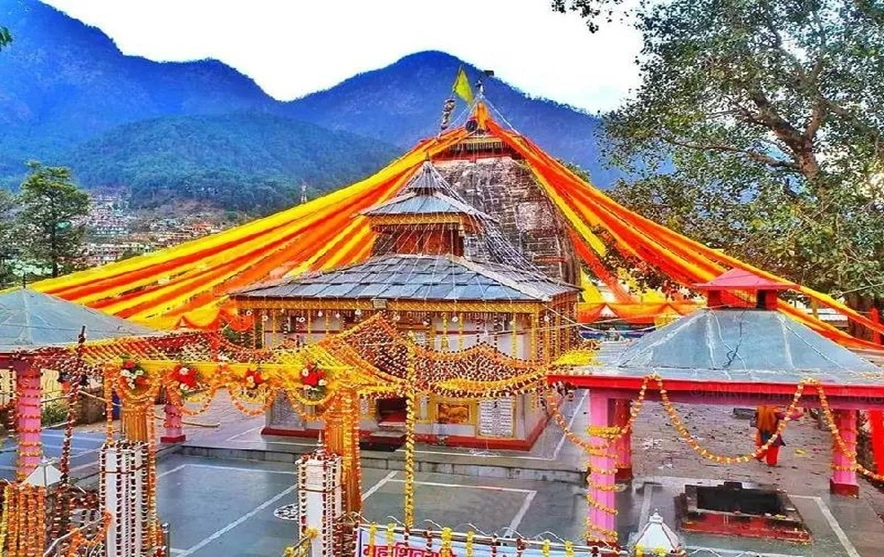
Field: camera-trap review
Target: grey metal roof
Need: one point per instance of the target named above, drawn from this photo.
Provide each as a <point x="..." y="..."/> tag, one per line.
<point x="416" y="277"/>
<point x="30" y="320"/>
<point x="739" y="345"/>
<point x="427" y="180"/>
<point x="425" y="204"/>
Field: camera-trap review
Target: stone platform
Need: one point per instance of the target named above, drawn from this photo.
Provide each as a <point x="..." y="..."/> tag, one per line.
<point x="551" y="459"/>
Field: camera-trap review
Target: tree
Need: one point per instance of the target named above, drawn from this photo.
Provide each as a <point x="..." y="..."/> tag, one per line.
<point x="6" y="237"/>
<point x="50" y="225"/>
<point x="5" y="37"/>
<point x="759" y="127"/>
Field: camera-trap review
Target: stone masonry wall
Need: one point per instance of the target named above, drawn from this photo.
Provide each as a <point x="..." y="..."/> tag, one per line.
<point x="505" y="189"/>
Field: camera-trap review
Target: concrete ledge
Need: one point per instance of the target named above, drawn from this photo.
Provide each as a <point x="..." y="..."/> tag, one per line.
<point x="502" y="467"/>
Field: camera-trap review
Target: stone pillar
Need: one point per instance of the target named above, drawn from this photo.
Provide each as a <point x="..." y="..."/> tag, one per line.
<point x="174" y="433"/>
<point x="319" y="500"/>
<point x="602" y="520"/>
<point x="134" y="422"/>
<point x="623" y="446"/>
<point x="28" y="411"/>
<point x="843" y="481"/>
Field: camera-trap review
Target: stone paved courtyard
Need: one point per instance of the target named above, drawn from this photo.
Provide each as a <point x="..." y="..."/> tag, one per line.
<point x="219" y="506"/>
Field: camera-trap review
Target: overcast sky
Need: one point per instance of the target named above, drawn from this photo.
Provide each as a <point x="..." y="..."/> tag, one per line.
<point x="294" y="47"/>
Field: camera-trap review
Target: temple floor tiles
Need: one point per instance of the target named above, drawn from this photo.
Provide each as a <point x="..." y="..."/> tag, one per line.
<point x="219" y="506"/>
<point x="226" y="507"/>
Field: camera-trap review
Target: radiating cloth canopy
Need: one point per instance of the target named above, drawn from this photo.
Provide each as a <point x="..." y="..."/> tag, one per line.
<point x="190" y="283"/>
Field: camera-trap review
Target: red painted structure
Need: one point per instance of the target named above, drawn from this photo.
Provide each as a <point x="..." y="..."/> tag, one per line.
<point x="669" y="353"/>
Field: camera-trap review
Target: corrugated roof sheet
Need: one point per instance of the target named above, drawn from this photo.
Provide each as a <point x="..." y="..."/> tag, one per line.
<point x="30" y="319"/>
<point x="416" y="277"/>
<point x="740" y="345"/>
<point x="427" y="179"/>
<point x="431" y="204"/>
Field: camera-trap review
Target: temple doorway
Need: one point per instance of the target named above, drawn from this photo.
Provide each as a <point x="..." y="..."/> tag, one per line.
<point x="391" y="412"/>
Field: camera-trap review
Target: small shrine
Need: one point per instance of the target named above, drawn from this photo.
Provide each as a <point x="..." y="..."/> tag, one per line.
<point x="740" y="351"/>
<point x="444" y="275"/>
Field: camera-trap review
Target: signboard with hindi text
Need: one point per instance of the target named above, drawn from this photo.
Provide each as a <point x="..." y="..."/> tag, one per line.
<point x="496" y="418"/>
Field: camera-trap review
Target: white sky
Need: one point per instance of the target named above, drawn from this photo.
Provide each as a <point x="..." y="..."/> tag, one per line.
<point x="294" y="47"/>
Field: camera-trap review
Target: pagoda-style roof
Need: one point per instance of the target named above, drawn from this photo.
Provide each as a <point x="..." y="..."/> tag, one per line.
<point x="413" y="203"/>
<point x="740" y="279"/>
<point x="31" y="320"/>
<point x="426" y="193"/>
<point x="739" y="346"/>
<point x="445" y="278"/>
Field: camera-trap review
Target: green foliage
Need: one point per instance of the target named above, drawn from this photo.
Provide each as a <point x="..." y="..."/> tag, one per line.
<point x="7" y="202"/>
<point x="5" y="37"/>
<point x="767" y="120"/>
<point x="50" y="226"/>
<point x="253" y="163"/>
<point x="54" y="413"/>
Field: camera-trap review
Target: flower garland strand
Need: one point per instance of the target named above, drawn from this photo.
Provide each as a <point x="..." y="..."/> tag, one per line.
<point x="408" y="510"/>
<point x="695" y="445"/>
<point x="839" y="441"/>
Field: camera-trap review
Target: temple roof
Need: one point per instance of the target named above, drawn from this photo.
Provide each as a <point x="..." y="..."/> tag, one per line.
<point x="413" y="203"/>
<point x="426" y="193"/>
<point x="739" y="345"/>
<point x="427" y="180"/>
<point x="30" y="320"/>
<point x="741" y="279"/>
<point x="416" y="277"/>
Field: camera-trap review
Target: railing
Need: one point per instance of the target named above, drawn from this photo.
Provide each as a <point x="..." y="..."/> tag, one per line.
<point x="60" y="547"/>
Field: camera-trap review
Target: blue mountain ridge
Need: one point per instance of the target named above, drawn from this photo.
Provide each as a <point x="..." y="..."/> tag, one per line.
<point x="69" y="96"/>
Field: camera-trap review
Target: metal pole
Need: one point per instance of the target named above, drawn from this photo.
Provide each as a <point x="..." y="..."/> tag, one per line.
<point x="167" y="538"/>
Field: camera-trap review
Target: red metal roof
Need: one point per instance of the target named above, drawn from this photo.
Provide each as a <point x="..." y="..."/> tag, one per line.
<point x="739" y="279"/>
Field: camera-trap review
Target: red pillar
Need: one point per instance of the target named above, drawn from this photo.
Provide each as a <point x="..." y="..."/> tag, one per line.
<point x="843" y="481"/>
<point x="172" y="423"/>
<point x="602" y="520"/>
<point x="623" y="446"/>
<point x="28" y="410"/>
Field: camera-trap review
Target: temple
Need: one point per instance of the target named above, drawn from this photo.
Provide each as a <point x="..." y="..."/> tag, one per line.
<point x="543" y="208"/>
<point x="445" y="274"/>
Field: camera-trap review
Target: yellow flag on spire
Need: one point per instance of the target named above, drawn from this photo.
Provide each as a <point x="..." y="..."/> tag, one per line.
<point x="462" y="87"/>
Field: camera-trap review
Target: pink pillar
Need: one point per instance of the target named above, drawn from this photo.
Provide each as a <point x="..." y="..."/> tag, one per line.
<point x="172" y="423"/>
<point x="843" y="481"/>
<point x="28" y="410"/>
<point x="602" y="521"/>
<point x="623" y="446"/>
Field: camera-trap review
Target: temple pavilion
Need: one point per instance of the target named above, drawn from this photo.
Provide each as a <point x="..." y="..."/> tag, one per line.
<point x="442" y="272"/>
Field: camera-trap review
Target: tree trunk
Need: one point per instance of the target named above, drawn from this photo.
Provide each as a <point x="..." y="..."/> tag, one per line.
<point x="863" y="304"/>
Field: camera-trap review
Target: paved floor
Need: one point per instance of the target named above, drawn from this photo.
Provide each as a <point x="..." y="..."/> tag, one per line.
<point x="226" y="507"/>
<point x="84" y="451"/>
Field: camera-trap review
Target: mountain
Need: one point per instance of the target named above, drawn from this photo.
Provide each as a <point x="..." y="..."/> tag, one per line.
<point x="245" y="161"/>
<point x="69" y="96"/>
<point x="402" y="103"/>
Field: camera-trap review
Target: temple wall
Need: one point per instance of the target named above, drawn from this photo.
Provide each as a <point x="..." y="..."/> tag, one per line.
<point x="529" y="220"/>
<point x="438" y="418"/>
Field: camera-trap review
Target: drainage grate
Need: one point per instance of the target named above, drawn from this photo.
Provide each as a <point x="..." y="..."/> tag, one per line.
<point x="287" y="512"/>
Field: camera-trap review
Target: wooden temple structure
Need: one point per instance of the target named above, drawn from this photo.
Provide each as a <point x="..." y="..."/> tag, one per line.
<point x="438" y="270"/>
<point x="742" y="352"/>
